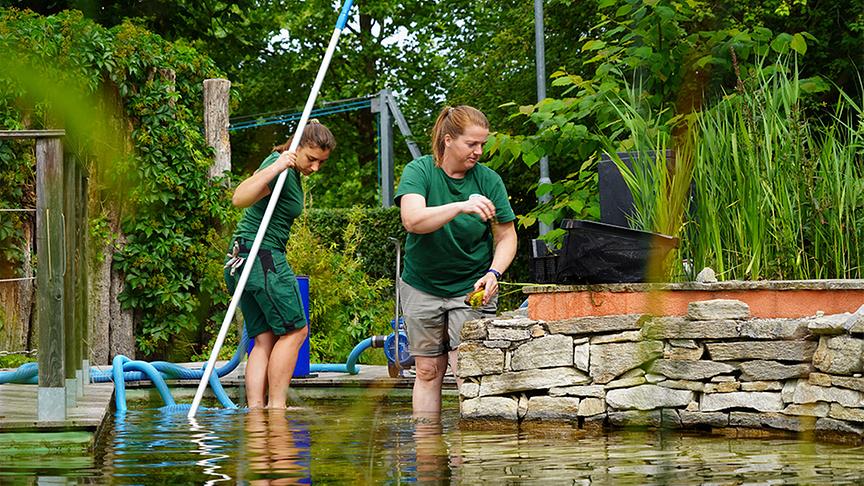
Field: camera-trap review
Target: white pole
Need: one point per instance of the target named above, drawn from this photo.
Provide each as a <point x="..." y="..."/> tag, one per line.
<point x="268" y="213"/>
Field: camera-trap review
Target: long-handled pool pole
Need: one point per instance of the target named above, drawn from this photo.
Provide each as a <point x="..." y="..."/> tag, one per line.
<point x="268" y="213"/>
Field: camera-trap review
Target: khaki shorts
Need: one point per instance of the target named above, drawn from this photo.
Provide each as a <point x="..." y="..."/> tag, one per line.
<point x="434" y="324"/>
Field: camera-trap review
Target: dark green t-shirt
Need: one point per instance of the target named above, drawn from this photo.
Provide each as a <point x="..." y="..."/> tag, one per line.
<point x="448" y="261"/>
<point x="289" y="207"/>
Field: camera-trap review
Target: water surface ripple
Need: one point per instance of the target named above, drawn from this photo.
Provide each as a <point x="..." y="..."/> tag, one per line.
<point x="368" y="437"/>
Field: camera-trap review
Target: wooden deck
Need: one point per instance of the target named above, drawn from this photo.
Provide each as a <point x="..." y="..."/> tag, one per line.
<point x="20" y="429"/>
<point x="18" y="409"/>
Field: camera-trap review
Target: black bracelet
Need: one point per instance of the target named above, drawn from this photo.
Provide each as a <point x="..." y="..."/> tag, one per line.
<point x="494" y="272"/>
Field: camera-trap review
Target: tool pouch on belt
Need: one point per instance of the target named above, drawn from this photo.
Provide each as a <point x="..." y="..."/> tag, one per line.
<point x="235" y="261"/>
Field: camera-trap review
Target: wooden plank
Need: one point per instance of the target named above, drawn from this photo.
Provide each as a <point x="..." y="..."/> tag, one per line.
<point x="83" y="270"/>
<point x="37" y="134"/>
<point x="18" y="410"/>
<point x="51" y="256"/>
<point x="71" y="359"/>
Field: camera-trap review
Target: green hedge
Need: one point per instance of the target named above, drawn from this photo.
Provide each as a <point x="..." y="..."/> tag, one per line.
<point x="376" y="226"/>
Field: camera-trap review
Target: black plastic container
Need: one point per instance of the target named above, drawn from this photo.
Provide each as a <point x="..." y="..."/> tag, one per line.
<point x="603" y="253"/>
<point x="544" y="263"/>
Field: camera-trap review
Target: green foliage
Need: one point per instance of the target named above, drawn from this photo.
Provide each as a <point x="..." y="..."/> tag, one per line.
<point x="347" y="305"/>
<point x="374" y="227"/>
<point x="15" y="360"/>
<point x="17" y="181"/>
<point x="660" y="185"/>
<point x="780" y="195"/>
<point x="171" y="214"/>
<point x="657" y="47"/>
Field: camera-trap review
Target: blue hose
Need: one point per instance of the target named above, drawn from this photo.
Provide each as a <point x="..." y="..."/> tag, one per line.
<point x="28" y="373"/>
<point x="121" y="364"/>
<point x="169" y="370"/>
<point x="350" y="365"/>
<point x="124" y="369"/>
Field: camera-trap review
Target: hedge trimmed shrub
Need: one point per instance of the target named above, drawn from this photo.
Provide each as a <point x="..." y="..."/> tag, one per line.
<point x="374" y="228"/>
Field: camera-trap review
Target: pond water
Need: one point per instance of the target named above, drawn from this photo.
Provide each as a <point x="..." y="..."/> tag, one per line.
<point x="368" y="437"/>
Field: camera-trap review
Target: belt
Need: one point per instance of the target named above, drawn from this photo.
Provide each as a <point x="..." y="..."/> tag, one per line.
<point x="245" y="246"/>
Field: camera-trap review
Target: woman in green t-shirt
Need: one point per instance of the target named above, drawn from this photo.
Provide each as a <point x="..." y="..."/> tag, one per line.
<point x="271" y="305"/>
<point x="461" y="238"/>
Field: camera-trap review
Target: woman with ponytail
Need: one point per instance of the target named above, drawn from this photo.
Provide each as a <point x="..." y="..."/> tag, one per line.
<point x="271" y="305"/>
<point x="461" y="238"/>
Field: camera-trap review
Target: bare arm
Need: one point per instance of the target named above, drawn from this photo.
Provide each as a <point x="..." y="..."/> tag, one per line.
<point x="419" y="219"/>
<point x="504" y="244"/>
<point x="255" y="187"/>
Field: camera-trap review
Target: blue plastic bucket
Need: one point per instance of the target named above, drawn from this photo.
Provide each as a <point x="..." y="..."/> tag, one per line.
<point x="301" y="370"/>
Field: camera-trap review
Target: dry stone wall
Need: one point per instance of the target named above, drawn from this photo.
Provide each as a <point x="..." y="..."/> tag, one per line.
<point x="714" y="368"/>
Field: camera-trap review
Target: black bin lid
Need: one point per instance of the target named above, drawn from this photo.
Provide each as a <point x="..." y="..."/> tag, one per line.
<point x="618" y="231"/>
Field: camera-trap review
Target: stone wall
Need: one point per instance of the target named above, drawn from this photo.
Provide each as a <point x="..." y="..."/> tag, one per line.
<point x="716" y="367"/>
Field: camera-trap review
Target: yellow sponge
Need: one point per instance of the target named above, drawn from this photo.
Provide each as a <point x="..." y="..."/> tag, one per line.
<point x="475" y="298"/>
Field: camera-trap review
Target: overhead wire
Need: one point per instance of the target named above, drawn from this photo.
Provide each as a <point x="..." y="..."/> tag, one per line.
<point x="284" y="118"/>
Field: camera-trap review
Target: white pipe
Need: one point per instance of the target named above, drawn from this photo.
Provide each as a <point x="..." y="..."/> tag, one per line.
<point x="265" y="221"/>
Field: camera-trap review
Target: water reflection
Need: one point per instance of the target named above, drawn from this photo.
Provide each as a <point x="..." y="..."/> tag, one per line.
<point x="210" y="463"/>
<point x="277" y="450"/>
<point x="432" y="454"/>
<point x="370" y="437"/>
<point x="653" y="457"/>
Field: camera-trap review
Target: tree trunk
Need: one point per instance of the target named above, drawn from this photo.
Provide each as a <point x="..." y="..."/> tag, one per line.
<point x="16" y="301"/>
<point x="216" y="93"/>
<point x="100" y="307"/>
<point x="122" y="330"/>
<point x="112" y="329"/>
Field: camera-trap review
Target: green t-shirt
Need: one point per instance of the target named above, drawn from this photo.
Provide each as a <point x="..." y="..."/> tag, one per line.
<point x="448" y="261"/>
<point x="289" y="207"/>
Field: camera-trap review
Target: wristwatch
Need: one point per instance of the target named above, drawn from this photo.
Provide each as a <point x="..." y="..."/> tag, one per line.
<point x="494" y="272"/>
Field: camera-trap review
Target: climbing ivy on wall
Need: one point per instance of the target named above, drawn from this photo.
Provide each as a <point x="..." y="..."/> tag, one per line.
<point x="171" y="214"/>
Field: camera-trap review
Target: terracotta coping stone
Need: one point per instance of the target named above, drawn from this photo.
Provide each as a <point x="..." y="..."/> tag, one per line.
<point x="767" y="299"/>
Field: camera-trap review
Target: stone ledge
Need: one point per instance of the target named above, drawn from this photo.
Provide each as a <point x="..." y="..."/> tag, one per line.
<point x="736" y="375"/>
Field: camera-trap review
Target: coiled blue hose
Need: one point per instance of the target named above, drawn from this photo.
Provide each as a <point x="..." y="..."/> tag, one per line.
<point x="350" y="366"/>
<point x="124" y="369"/>
<point x="28" y="374"/>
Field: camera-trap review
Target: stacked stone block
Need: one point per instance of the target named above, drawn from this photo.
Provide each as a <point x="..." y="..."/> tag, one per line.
<point x="715" y="368"/>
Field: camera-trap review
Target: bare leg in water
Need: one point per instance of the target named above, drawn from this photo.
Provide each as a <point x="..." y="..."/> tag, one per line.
<point x="283" y="359"/>
<point x="256" y="369"/>
<point x="426" y="397"/>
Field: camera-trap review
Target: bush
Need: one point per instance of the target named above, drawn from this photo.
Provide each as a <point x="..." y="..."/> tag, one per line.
<point x="55" y="71"/>
<point x="374" y="226"/>
<point x="347" y="303"/>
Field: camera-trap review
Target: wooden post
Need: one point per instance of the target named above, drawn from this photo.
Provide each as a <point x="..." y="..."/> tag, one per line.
<point x="50" y="267"/>
<point x="83" y="273"/>
<point x="216" y="93"/>
<point x="71" y="360"/>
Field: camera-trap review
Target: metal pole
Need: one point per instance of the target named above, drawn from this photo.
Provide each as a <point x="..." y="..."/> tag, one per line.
<point x="385" y="127"/>
<point x="268" y="213"/>
<point x="540" y="56"/>
<point x="396" y="328"/>
<point x="403" y="125"/>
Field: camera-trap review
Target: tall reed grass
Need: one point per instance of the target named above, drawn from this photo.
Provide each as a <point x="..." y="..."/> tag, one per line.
<point x="659" y="179"/>
<point x="779" y="195"/>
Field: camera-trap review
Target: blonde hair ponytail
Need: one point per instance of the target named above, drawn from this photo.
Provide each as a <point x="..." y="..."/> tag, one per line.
<point x="453" y="121"/>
